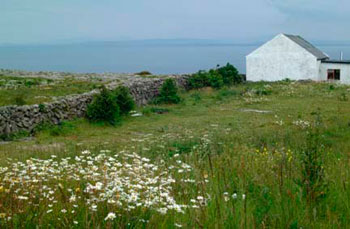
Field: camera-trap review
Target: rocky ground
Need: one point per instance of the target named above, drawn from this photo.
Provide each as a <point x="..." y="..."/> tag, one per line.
<point x="108" y="76"/>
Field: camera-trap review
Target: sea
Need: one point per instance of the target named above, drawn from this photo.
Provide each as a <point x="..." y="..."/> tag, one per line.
<point x="124" y="57"/>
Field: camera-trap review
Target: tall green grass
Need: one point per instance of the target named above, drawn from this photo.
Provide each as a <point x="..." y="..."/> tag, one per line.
<point x="285" y="169"/>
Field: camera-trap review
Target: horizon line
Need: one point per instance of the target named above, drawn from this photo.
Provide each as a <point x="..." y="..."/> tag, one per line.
<point x="170" y="41"/>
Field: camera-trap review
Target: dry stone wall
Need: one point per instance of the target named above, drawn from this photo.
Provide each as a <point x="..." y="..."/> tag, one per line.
<point x="25" y="118"/>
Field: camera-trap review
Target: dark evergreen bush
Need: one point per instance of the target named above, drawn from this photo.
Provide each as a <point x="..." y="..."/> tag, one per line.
<point x="42" y="108"/>
<point x="230" y="74"/>
<point x="144" y="73"/>
<point x="103" y="108"/>
<point x="199" y="80"/>
<point x="124" y="100"/>
<point x="215" y="79"/>
<point x="168" y="93"/>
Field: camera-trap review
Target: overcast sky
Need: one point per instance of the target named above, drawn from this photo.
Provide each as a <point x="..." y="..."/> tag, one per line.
<point x="55" y="21"/>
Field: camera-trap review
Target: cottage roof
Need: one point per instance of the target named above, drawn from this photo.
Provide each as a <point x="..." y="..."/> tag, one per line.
<point x="336" y="61"/>
<point x="308" y="46"/>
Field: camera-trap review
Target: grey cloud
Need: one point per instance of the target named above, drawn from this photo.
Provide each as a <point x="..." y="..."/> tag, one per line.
<point x="26" y="21"/>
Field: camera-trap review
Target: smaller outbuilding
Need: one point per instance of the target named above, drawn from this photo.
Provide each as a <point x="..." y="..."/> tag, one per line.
<point x="292" y="57"/>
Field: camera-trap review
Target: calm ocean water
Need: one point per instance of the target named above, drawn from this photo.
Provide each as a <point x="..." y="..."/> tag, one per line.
<point x="159" y="59"/>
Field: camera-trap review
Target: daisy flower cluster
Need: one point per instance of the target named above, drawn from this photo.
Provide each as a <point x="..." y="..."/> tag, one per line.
<point x="302" y="124"/>
<point x="123" y="182"/>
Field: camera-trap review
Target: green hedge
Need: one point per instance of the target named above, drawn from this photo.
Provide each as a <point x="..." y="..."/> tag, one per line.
<point x="217" y="78"/>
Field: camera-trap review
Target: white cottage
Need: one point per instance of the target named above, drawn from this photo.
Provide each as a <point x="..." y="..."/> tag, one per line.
<point x="290" y="56"/>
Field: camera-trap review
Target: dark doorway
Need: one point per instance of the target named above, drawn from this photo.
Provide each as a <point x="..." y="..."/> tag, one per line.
<point x="333" y="74"/>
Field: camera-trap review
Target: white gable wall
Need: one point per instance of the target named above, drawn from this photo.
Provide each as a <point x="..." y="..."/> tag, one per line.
<point x="281" y="58"/>
<point x="344" y="71"/>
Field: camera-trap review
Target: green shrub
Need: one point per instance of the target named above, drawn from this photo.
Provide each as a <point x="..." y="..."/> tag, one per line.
<point x="168" y="93"/>
<point x="42" y="108"/>
<point x="215" y="79"/>
<point x="124" y="99"/>
<point x="199" y="80"/>
<point x="31" y="82"/>
<point x="144" y="73"/>
<point x="230" y="74"/>
<point x="206" y="79"/>
<point x="103" y="108"/>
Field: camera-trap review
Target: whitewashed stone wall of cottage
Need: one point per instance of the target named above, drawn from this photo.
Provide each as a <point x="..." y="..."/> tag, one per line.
<point x="281" y="58"/>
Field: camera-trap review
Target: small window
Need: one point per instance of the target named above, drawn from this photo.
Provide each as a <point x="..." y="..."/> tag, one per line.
<point x="333" y="74"/>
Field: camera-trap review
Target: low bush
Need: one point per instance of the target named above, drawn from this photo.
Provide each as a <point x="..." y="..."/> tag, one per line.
<point x="144" y="73"/>
<point x="168" y="93"/>
<point x="42" y="108"/>
<point x="199" y="80"/>
<point x="103" y="108"/>
<point x="230" y="74"/>
<point x="124" y="100"/>
<point x="31" y="82"/>
<point x="216" y="78"/>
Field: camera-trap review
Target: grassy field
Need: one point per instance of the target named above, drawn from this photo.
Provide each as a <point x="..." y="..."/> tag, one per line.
<point x="259" y="155"/>
<point x="23" y="91"/>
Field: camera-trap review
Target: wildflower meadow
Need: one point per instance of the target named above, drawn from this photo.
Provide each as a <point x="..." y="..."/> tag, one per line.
<point x="255" y="155"/>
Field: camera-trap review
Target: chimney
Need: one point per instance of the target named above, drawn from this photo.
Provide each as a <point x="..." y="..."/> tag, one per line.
<point x="341" y="55"/>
